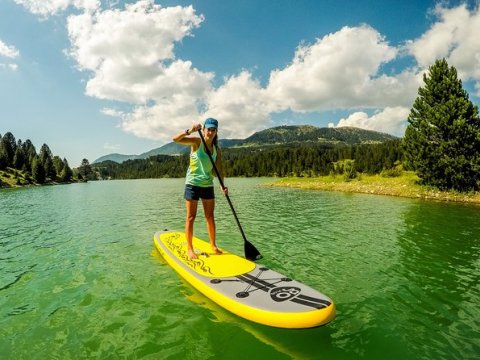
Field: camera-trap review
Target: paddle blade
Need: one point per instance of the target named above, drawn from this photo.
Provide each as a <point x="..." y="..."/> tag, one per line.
<point x="251" y="252"/>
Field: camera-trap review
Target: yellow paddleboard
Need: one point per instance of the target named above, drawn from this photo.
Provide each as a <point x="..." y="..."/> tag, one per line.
<point x="243" y="287"/>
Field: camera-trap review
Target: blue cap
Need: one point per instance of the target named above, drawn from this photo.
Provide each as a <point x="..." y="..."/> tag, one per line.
<point x="210" y="123"/>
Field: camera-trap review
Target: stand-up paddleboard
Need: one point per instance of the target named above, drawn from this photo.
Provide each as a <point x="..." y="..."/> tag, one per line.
<point x="243" y="287"/>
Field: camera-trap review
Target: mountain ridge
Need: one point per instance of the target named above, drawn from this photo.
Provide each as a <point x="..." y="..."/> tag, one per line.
<point x="278" y="135"/>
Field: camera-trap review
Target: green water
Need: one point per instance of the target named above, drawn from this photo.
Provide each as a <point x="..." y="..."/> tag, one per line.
<point x="79" y="277"/>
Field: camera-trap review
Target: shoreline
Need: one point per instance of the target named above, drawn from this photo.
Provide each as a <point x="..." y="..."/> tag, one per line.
<point x="16" y="179"/>
<point x="405" y="185"/>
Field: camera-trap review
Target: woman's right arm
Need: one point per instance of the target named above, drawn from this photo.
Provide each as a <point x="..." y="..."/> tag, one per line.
<point x="185" y="139"/>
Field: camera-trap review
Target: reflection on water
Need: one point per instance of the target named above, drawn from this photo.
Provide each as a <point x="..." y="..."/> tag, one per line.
<point x="79" y="279"/>
<point x="440" y="277"/>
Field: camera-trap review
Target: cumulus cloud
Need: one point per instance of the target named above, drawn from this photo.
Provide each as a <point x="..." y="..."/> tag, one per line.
<point x="10" y="52"/>
<point x="454" y="37"/>
<point x="115" y="46"/>
<point x="129" y="55"/>
<point x="242" y="105"/>
<point x="12" y="66"/>
<point x="47" y="8"/>
<point x="159" y="121"/>
<point x="340" y="70"/>
<point x="392" y="120"/>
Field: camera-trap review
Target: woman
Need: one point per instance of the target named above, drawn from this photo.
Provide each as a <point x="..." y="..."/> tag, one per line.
<point x="199" y="179"/>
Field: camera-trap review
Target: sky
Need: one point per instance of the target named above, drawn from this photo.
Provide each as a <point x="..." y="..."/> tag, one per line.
<point x="91" y="77"/>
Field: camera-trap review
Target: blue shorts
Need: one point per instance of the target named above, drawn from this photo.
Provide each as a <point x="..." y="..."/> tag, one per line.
<point x="196" y="192"/>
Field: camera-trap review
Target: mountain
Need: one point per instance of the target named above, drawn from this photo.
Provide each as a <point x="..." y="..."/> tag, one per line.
<point x="118" y="158"/>
<point x="167" y="149"/>
<point x="307" y="133"/>
<point x="274" y="136"/>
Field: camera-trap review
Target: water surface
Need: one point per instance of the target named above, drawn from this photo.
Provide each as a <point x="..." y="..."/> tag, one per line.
<point x="79" y="277"/>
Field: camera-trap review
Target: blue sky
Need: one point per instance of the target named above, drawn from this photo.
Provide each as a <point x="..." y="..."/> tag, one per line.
<point x="92" y="77"/>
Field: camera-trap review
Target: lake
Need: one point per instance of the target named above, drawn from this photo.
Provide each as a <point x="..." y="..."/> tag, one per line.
<point x="79" y="276"/>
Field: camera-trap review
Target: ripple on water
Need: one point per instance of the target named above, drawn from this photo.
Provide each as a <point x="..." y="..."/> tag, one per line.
<point x="79" y="278"/>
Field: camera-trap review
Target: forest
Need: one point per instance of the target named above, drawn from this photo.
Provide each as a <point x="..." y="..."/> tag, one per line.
<point x="272" y="160"/>
<point x="20" y="163"/>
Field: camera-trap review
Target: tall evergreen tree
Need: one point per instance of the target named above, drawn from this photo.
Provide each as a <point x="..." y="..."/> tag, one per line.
<point x="19" y="158"/>
<point x="66" y="173"/>
<point x="3" y="155"/>
<point x="46" y="158"/>
<point x="58" y="164"/>
<point x="442" y="141"/>
<point x="38" y="171"/>
<point x="30" y="152"/>
<point x="45" y="153"/>
<point x="8" y="146"/>
<point x="85" y="170"/>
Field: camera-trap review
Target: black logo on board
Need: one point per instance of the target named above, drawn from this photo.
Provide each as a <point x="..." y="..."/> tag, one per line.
<point x="284" y="293"/>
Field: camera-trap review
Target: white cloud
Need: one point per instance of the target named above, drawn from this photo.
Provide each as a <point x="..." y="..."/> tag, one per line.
<point x="341" y="70"/>
<point x="128" y="55"/>
<point x="12" y="67"/>
<point x="162" y="120"/>
<point x="8" y="51"/>
<point x="454" y="37"/>
<point x="338" y="71"/>
<point x="392" y="120"/>
<point x="130" y="52"/>
<point x="50" y="7"/>
<point x="241" y="104"/>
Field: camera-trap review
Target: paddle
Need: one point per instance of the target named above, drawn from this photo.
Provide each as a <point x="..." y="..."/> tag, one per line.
<point x="251" y="252"/>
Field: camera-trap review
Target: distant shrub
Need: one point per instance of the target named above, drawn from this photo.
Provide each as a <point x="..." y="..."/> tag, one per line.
<point x="346" y="168"/>
<point x="393" y="172"/>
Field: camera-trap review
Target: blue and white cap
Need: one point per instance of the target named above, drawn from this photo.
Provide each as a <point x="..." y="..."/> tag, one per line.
<point x="210" y="123"/>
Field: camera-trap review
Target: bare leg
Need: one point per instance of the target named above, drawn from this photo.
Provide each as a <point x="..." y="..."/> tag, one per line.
<point x="208" y="208"/>
<point x="191" y="214"/>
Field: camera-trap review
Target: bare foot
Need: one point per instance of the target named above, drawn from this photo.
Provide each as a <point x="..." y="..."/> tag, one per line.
<point x="216" y="250"/>
<point x="192" y="255"/>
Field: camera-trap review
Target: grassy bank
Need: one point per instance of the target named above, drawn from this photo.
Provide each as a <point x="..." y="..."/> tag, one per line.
<point x="405" y="185"/>
<point x="13" y="178"/>
<point x="10" y="178"/>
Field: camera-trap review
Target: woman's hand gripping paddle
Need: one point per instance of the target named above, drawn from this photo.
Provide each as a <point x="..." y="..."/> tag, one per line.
<point x="251" y="252"/>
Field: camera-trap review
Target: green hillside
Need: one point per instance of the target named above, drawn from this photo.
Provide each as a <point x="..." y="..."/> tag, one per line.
<point x="280" y="135"/>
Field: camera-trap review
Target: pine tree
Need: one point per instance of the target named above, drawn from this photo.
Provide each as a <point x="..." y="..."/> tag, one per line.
<point x="85" y="170"/>
<point x="46" y="158"/>
<point x="38" y="171"/>
<point x="30" y="152"/>
<point x="66" y="173"/>
<point x="442" y="141"/>
<point x="19" y="158"/>
<point x="58" y="165"/>
<point x="3" y="155"/>
<point x="8" y="145"/>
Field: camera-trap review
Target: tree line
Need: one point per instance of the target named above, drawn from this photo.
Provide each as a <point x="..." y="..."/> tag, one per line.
<point x="35" y="167"/>
<point x="278" y="160"/>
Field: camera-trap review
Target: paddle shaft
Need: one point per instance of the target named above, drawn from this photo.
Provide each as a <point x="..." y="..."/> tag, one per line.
<point x="226" y="195"/>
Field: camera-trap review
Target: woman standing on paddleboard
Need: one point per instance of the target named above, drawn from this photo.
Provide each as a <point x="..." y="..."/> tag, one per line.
<point x="199" y="179"/>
